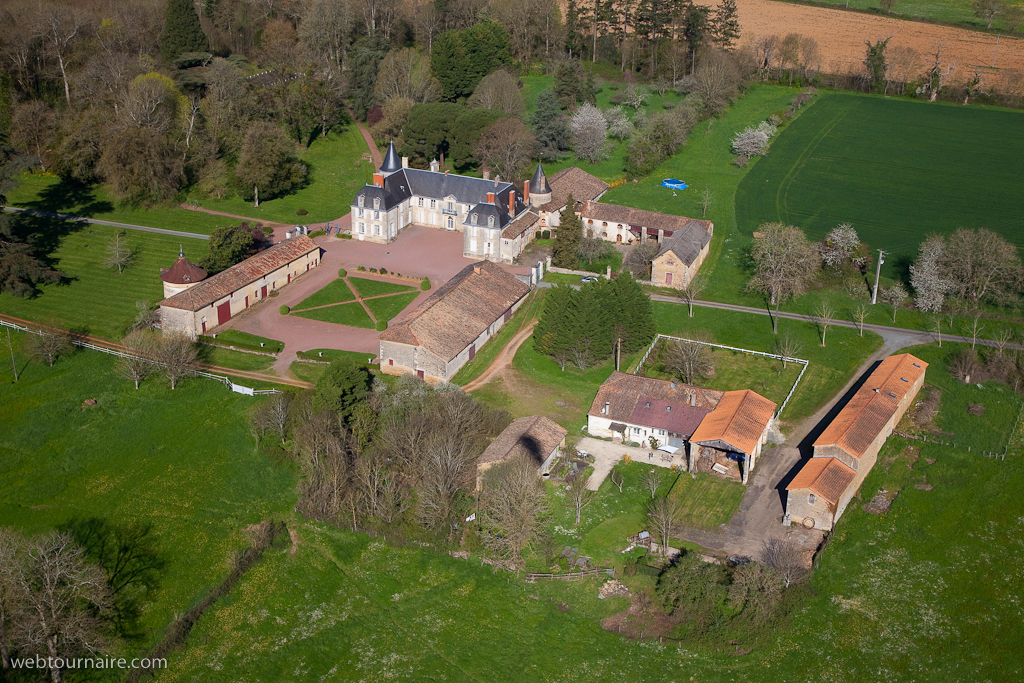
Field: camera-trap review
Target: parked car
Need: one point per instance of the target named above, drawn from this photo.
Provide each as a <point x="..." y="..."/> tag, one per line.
<point x="588" y="278"/>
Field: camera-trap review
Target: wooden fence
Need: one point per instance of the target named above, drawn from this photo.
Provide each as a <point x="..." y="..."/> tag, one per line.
<point x="571" y="576"/>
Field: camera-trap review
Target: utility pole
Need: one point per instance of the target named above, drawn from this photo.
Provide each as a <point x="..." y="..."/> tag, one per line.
<point x="618" y="352"/>
<point x="14" y="363"/>
<point x="878" y="274"/>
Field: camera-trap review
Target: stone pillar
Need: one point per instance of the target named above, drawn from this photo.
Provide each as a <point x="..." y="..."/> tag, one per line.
<point x="608" y="272"/>
<point x="661" y="235"/>
<point x="549" y="263"/>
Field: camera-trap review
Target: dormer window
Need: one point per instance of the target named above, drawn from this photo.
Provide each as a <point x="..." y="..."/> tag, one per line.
<point x="490" y="221"/>
<point x="362" y="200"/>
<point x="420" y="200"/>
<point x="376" y="202"/>
<point x="451" y="206"/>
<point x="474" y="219"/>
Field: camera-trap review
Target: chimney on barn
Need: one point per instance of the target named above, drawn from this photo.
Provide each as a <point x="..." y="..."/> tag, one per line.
<point x="476" y="269"/>
<point x="607" y="407"/>
<point x="487" y="174"/>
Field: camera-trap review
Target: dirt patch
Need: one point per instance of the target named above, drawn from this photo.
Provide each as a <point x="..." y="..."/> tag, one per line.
<point x="924" y="410"/>
<point x="975" y="409"/>
<point x="930" y="461"/>
<point x="923" y="487"/>
<point x="841" y="37"/>
<point x="641" y="620"/>
<point x="880" y="504"/>
<point x="88" y="402"/>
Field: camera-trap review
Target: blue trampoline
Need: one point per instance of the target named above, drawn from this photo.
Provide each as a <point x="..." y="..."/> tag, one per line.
<point x="673" y="183"/>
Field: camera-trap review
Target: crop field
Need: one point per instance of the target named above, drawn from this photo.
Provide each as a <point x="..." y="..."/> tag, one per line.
<point x="896" y="170"/>
<point x="956" y="11"/>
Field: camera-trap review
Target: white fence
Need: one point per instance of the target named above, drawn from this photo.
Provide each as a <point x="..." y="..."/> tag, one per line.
<point x="763" y="354"/>
<point x="238" y="388"/>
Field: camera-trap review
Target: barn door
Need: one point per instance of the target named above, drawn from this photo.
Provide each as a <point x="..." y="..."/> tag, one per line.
<point x="263" y="292"/>
<point x="247" y="301"/>
<point x="224" y="313"/>
<point x="419" y="373"/>
<point x="472" y="351"/>
<point x="668" y="278"/>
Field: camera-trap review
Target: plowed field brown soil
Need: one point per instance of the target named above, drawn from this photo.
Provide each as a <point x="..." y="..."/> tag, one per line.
<point x="841" y="37"/>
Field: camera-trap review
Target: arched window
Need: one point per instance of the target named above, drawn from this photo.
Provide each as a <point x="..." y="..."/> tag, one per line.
<point x="811" y="498"/>
<point x="451" y="223"/>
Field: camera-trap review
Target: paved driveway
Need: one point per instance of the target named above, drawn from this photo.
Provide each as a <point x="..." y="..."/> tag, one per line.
<point x="607" y="455"/>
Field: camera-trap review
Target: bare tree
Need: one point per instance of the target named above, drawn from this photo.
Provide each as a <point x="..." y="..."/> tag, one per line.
<point x="324" y="32"/>
<point x="49" y="344"/>
<point x="785" y="557"/>
<point x="635" y="95"/>
<point x="12" y="559"/>
<point x="860" y="314"/>
<point x="975" y="329"/>
<point x="617" y="478"/>
<point x="756" y="587"/>
<point x="651" y="480"/>
<point x="664" y="515"/>
<point x="506" y="147"/>
<point x="382" y="492"/>
<point x="716" y="79"/>
<point x="562" y="357"/>
<point x="783" y="262"/>
<point x="982" y="265"/>
<point x="404" y="73"/>
<point x="60" y="27"/>
<point x="692" y="290"/>
<point x="691" y="360"/>
<point x="578" y="495"/>
<point x="178" y="356"/>
<point x="514" y="503"/>
<point x="32" y="127"/>
<point x="137" y="365"/>
<point x="894" y="295"/>
<point x="936" y="324"/>
<point x="592" y="249"/>
<point x="963" y="364"/>
<point x="589" y="133"/>
<point x="119" y="254"/>
<point x="707" y="195"/>
<point x="1002" y="339"/>
<point x="824" y="316"/>
<point x="499" y="90"/>
<point x="787" y="347"/>
<point x="938" y="73"/>
<point x="277" y="413"/>
<point x="638" y="260"/>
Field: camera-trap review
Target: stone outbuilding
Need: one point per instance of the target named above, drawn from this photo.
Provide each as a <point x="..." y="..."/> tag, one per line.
<point x="569" y="181"/>
<point x="444" y="332"/>
<point x="535" y="438"/>
<point x="213" y="301"/>
<point x="853" y="440"/>
<point x="732" y="434"/>
<point x="182" y="275"/>
<point x="682" y="254"/>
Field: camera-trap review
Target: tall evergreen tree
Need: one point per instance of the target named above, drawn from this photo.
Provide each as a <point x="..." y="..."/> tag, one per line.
<point x="695" y="30"/>
<point x="460" y="59"/>
<point x="182" y="32"/>
<point x="551" y="126"/>
<point x="725" y="24"/>
<point x="631" y="312"/>
<point x="365" y="57"/>
<point x="570" y="232"/>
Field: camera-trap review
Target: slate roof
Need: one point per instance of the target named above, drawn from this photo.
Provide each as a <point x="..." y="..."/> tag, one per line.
<point x="241" y="274"/>
<point x="539" y="183"/>
<point x="183" y="272"/>
<point x="484" y="210"/>
<point x="687" y="242"/>
<point x="576" y="182"/>
<point x="866" y="415"/>
<point x="827" y="477"/>
<point x="520" y="225"/>
<point x="535" y="437"/>
<point x="678" y="418"/>
<point x="739" y="420"/>
<point x="623" y="391"/>
<point x="613" y="213"/>
<point x="459" y="311"/>
<point x="392" y="162"/>
<point x="406" y="182"/>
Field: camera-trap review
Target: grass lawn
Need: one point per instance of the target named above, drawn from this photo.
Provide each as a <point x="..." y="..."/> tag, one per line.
<point x="830" y="366"/>
<point x="236" y="360"/>
<point x="333" y="354"/>
<point x="562" y="278"/>
<point x="248" y="341"/>
<point x="344" y="314"/>
<point x="48" y="193"/>
<point x="707" y="501"/>
<point x="493" y="346"/>
<point x="180" y="460"/>
<point x="736" y="370"/>
<point x="388" y="307"/>
<point x="333" y="292"/>
<point x="824" y="170"/>
<point x="366" y="287"/>
<point x="957" y="11"/>
<point x="307" y="372"/>
<point x="613" y="259"/>
<point x="96" y="298"/>
<point x="337" y="169"/>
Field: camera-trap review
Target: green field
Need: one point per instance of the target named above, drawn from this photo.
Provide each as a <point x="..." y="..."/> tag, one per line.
<point x="180" y="460"/>
<point x="236" y="360"/>
<point x="96" y="298"/>
<point x="351" y="314"/>
<point x="336" y="291"/>
<point x="387" y="307"/>
<point x="707" y="501"/>
<point x="878" y="164"/>
<point x="244" y="340"/>
<point x="366" y="287"/>
<point x="953" y="11"/>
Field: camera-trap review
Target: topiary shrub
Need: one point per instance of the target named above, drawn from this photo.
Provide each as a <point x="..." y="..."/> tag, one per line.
<point x="373" y="270"/>
<point x="267" y="230"/>
<point x="425" y="284"/>
<point x="360" y="269"/>
<point x="317" y="233"/>
<point x="381" y="325"/>
<point x="383" y="271"/>
<point x="285" y="310"/>
<point x="342" y="272"/>
<point x="545" y="235"/>
<point x="302" y="212"/>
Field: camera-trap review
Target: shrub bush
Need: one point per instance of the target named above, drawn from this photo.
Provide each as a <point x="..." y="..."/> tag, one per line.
<point x="373" y="270"/>
<point x="381" y="325"/>
<point x="317" y="233"/>
<point x="425" y="284"/>
<point x="302" y="212"/>
<point x="545" y="234"/>
<point x="267" y="230"/>
<point x="284" y="310"/>
<point x="383" y="271"/>
<point x="360" y="269"/>
<point x="344" y="236"/>
<point x="342" y="272"/>
<point x="668" y="105"/>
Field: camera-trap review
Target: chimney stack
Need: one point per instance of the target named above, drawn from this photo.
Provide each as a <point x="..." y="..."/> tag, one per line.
<point x="490" y="197"/>
<point x="693" y="399"/>
<point x="405" y="162"/>
<point x="446" y="172"/>
<point x="512" y="202"/>
<point x="378" y="179"/>
<point x="434" y="166"/>
<point x="487" y="174"/>
<point x="526" y="192"/>
<point x="476" y="269"/>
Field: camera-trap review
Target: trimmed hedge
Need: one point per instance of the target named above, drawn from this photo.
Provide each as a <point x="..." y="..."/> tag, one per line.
<point x="425" y="284"/>
<point x="285" y="310"/>
<point x="342" y="272"/>
<point x="381" y="325"/>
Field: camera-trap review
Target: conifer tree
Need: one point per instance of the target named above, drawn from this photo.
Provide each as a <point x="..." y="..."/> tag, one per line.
<point x="725" y="24"/>
<point x="182" y="32"/>
<point x="631" y="312"/>
<point x="570" y="232"/>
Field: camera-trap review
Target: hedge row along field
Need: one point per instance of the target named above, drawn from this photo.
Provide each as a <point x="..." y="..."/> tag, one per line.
<point x="896" y="170"/>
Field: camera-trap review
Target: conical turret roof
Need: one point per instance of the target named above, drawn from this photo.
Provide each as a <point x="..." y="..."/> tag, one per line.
<point x="183" y="272"/>
<point x="539" y="184"/>
<point x="392" y="162"/>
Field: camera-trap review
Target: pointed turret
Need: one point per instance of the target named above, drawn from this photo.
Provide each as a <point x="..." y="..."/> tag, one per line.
<point x="182" y="275"/>
<point x="539" y="190"/>
<point x="392" y="162"/>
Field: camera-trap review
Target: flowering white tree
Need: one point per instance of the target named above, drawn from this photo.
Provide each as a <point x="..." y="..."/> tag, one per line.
<point x="838" y="245"/>
<point x="619" y="125"/>
<point x="589" y="133"/>
<point x="750" y="142"/>
<point x="926" y="276"/>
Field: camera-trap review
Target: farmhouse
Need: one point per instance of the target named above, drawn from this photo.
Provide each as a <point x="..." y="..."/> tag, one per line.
<point x="682" y="254"/>
<point x="446" y="330"/>
<point x="733" y="432"/>
<point x="848" y="448"/>
<point x="536" y="438"/>
<point x="182" y="275"/>
<point x="201" y="307"/>
<point x="549" y="195"/>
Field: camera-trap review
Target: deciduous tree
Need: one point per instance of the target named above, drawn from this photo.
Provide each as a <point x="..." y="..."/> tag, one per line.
<point x="894" y="295"/>
<point x="783" y="262"/>
<point x="982" y="265"/>
<point x="578" y="495"/>
<point x="664" y="514"/>
<point x="138" y="364"/>
<point x="178" y="357"/>
<point x="267" y="164"/>
<point x="506" y="147"/>
<point x="119" y="253"/>
<point x="499" y="91"/>
<point x="341" y="387"/>
<point x="928" y="275"/>
<point x="514" y="503"/>
<point x="589" y="133"/>
<point x="690" y="360"/>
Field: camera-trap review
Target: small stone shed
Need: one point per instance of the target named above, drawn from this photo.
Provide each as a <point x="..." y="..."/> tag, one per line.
<point x="732" y="434"/>
<point x="536" y="438"/>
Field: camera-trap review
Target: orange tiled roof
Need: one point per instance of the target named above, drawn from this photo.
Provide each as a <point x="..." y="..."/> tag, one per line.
<point x="828" y="477"/>
<point x="865" y="416"/>
<point x="739" y="420"/>
<point x="622" y="392"/>
<point x="534" y="437"/>
<point x="576" y="182"/>
<point x="613" y="213"/>
<point x="458" y="312"/>
<point x="241" y="274"/>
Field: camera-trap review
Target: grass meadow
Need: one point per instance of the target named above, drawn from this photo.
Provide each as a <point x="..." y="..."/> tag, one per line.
<point x="386" y="308"/>
<point x="954" y="11"/>
<point x="96" y="298"/>
<point x="706" y="500"/>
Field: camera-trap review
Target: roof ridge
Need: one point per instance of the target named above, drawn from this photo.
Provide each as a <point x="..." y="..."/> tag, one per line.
<point x="874" y="394"/>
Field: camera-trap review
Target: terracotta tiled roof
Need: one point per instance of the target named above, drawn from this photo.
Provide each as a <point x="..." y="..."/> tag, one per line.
<point x="613" y="213"/>
<point x="576" y="182"/>
<point x="866" y="415"/>
<point x="622" y="392"/>
<point x="534" y="437"/>
<point x="739" y="420"/>
<point x="183" y="272"/>
<point x="678" y="418"/>
<point x="520" y="225"/>
<point x="459" y="311"/>
<point x="828" y="477"/>
<point x="241" y="274"/>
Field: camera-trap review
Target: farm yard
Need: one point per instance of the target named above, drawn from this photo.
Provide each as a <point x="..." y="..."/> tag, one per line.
<point x="827" y="168"/>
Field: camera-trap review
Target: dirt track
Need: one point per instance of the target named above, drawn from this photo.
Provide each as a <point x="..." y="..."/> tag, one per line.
<point x="841" y="36"/>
